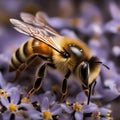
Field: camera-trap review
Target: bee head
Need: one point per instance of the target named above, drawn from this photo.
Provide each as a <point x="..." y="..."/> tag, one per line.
<point x="89" y="70"/>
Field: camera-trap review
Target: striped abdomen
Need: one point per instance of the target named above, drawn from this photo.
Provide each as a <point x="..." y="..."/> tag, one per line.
<point x="26" y="50"/>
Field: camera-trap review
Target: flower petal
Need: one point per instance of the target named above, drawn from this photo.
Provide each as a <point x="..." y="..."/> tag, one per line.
<point x="56" y="109"/>
<point x="66" y="108"/>
<point x="6" y="115"/>
<point x="89" y="108"/>
<point x="30" y="111"/>
<point x="45" y="104"/>
<point x="2" y="81"/>
<point x="81" y="97"/>
<point x="78" y="115"/>
<point x="14" y="95"/>
<point x="4" y="101"/>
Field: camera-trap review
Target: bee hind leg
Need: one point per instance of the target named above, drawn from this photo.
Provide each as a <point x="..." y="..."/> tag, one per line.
<point x="19" y="71"/>
<point x="64" y="87"/>
<point x="25" y="65"/>
<point x="40" y="74"/>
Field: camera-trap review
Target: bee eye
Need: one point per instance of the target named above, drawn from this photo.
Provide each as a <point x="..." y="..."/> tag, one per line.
<point x="78" y="52"/>
<point x="84" y="73"/>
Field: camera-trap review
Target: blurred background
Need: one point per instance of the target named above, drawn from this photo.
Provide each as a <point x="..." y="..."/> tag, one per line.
<point x="95" y="22"/>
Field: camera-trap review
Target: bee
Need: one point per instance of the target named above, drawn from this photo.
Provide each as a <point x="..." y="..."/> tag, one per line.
<point x="70" y="56"/>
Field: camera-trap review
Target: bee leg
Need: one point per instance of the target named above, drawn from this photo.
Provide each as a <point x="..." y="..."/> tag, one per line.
<point x="91" y="90"/>
<point x="26" y="64"/>
<point x="89" y="94"/>
<point x="40" y="73"/>
<point x="65" y="86"/>
<point x="18" y="72"/>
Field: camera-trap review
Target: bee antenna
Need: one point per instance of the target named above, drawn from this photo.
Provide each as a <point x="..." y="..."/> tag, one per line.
<point x="103" y="64"/>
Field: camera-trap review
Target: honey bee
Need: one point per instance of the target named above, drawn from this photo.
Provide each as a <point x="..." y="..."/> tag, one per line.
<point x="68" y="55"/>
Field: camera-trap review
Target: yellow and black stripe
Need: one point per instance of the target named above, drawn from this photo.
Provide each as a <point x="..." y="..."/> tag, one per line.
<point x="21" y="55"/>
<point x="26" y="50"/>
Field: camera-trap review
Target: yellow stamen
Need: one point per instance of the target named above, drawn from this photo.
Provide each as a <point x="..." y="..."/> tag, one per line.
<point x="47" y="115"/>
<point x="110" y="118"/>
<point x="77" y="106"/>
<point x="109" y="113"/>
<point x="67" y="103"/>
<point x="12" y="107"/>
<point x="96" y="115"/>
<point x="3" y="93"/>
<point x="38" y="104"/>
<point x="118" y="27"/>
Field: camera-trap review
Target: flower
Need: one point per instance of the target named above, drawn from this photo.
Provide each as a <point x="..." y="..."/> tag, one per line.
<point x="113" y="26"/>
<point x="14" y="109"/>
<point x="49" y="108"/>
<point x="79" y="107"/>
<point x="108" y="85"/>
<point x="11" y="106"/>
<point x="27" y="111"/>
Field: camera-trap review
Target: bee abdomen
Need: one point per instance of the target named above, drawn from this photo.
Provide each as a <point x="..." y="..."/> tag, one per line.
<point x="20" y="56"/>
<point x="27" y="49"/>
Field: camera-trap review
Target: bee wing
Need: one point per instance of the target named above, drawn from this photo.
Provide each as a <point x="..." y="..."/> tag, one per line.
<point x="40" y="19"/>
<point x="39" y="32"/>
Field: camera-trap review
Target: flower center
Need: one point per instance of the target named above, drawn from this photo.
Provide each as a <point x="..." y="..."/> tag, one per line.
<point x="12" y="107"/>
<point x="95" y="115"/>
<point x="77" y="106"/>
<point x="47" y="115"/>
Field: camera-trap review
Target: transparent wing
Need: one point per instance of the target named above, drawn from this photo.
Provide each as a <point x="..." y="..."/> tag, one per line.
<point x="40" y="19"/>
<point x="37" y="27"/>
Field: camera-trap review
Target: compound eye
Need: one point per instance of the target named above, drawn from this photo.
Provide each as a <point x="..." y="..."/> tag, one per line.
<point x="78" y="52"/>
<point x="84" y="73"/>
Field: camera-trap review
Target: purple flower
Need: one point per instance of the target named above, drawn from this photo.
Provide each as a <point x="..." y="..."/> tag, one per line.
<point x="27" y="111"/>
<point x="17" y="110"/>
<point x="108" y="85"/>
<point x="78" y="107"/>
<point x="47" y="106"/>
<point x="113" y="26"/>
<point x="48" y="110"/>
<point x="7" y="88"/>
<point x="114" y="9"/>
<point x="11" y="106"/>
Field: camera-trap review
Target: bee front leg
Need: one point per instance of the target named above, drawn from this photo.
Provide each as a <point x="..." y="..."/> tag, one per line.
<point x="65" y="86"/>
<point x="89" y="90"/>
<point x="40" y="74"/>
<point x="93" y="88"/>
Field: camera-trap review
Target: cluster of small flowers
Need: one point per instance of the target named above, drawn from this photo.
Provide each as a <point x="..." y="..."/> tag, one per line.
<point x="99" y="28"/>
<point x="15" y="106"/>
